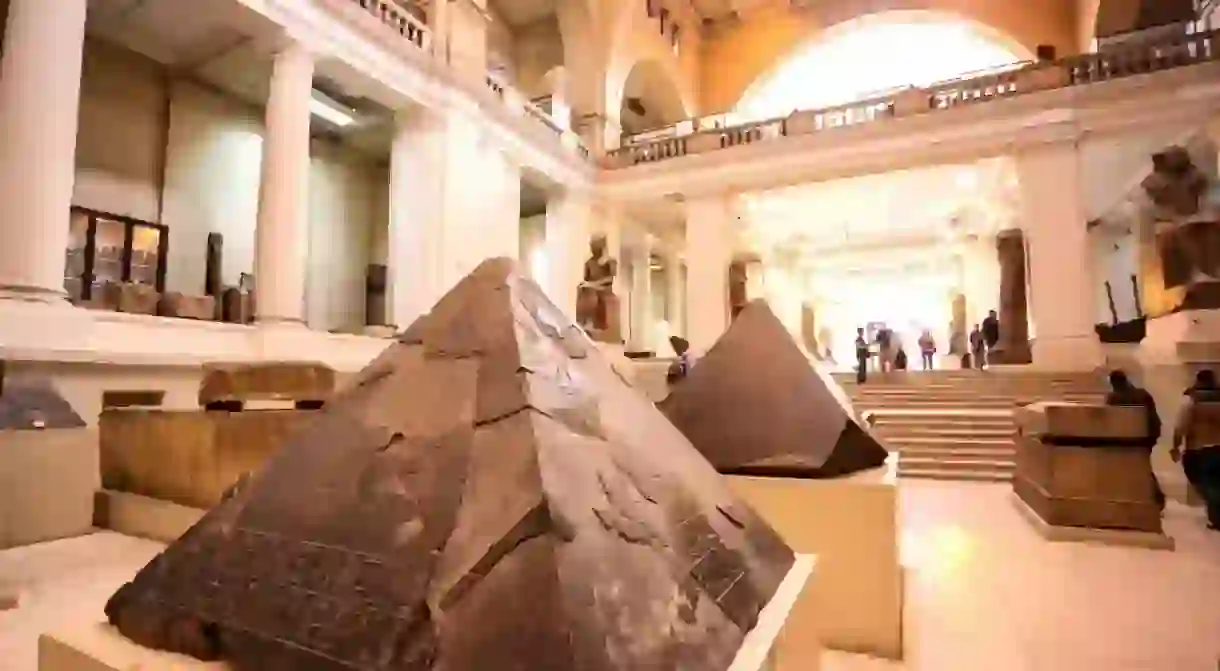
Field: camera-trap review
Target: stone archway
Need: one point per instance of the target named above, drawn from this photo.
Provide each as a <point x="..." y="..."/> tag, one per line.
<point x="738" y="57"/>
<point x="649" y="99"/>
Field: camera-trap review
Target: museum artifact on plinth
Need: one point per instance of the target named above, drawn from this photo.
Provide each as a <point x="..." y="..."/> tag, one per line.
<point x="1087" y="467"/>
<point x="785" y="432"/>
<point x="192" y="457"/>
<point x="1013" y="347"/>
<point x="597" y="307"/>
<point x="486" y="494"/>
<point x="39" y="432"/>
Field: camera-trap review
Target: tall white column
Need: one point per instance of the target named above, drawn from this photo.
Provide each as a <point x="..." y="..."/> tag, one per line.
<point x="675" y="292"/>
<point x="39" y="102"/>
<point x="281" y="237"/>
<point x="417" y="214"/>
<point x="1062" y="281"/>
<point x="568" y="227"/>
<point x="710" y="230"/>
<point x="641" y="293"/>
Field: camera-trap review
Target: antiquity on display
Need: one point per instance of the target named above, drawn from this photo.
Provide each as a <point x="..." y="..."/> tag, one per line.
<point x="1184" y="207"/>
<point x="756" y="405"/>
<point x="487" y="494"/>
<point x="597" y="308"/>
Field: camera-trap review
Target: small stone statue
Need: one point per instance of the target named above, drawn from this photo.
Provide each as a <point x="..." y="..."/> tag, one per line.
<point x="596" y="305"/>
<point x="1184" y="210"/>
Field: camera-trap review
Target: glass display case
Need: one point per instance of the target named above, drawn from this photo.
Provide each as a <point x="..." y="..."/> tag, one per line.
<point x="110" y="248"/>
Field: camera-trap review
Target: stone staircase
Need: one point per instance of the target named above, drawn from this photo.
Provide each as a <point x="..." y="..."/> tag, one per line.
<point x="956" y="424"/>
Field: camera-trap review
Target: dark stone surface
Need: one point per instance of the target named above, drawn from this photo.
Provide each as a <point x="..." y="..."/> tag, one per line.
<point x="33" y="405"/>
<point x="1013" y="347"/>
<point x="756" y="405"/>
<point x="487" y="494"/>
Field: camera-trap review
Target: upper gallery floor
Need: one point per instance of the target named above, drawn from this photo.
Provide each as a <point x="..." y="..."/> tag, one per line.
<point x="564" y="84"/>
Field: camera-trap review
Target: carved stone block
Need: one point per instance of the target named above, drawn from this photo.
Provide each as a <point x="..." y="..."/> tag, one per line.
<point x="1072" y="420"/>
<point x="175" y="304"/>
<point x="755" y="405"/>
<point x="129" y="297"/>
<point x="489" y="458"/>
<point x="1070" y="477"/>
<point x="189" y="457"/>
<point x="272" y="381"/>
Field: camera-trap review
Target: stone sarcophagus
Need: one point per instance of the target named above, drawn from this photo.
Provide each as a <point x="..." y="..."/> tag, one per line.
<point x="42" y="441"/>
<point x="192" y="457"/>
<point x="132" y="297"/>
<point x="1086" y="466"/>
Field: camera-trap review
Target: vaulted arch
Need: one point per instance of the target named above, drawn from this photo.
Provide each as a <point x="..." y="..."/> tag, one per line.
<point x="736" y="57"/>
<point x="634" y="43"/>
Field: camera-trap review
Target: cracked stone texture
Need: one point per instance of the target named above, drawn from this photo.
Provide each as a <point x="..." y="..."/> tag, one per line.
<point x="755" y="404"/>
<point x="487" y="493"/>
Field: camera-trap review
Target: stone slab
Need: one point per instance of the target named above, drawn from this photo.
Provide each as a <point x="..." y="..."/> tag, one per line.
<point x="1078" y="420"/>
<point x="1055" y="533"/>
<point x="143" y="516"/>
<point x="276" y="380"/>
<point x="850" y="524"/>
<point x="100" y="647"/>
<point x="47" y="479"/>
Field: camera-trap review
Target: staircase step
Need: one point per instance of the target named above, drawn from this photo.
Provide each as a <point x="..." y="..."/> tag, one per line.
<point x="957" y="463"/>
<point x="898" y="433"/>
<point x="939" y="474"/>
<point x="955" y="423"/>
<point x="938" y="454"/>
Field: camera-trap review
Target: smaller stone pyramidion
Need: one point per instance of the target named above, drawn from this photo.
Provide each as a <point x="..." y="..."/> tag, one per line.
<point x="755" y="404"/>
<point x="487" y="495"/>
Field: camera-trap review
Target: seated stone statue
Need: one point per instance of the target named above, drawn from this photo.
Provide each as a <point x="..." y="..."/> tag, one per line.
<point x="597" y="308"/>
<point x="1183" y="208"/>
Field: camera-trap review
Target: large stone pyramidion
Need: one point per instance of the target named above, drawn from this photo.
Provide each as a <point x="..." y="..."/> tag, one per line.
<point x="488" y="494"/>
<point x="755" y="404"/>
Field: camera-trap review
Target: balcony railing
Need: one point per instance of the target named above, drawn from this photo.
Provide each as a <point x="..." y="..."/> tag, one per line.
<point x="411" y="27"/>
<point x="1014" y="80"/>
<point x="398" y="19"/>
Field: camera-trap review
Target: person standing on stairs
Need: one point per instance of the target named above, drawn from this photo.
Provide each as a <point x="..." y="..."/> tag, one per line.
<point x="991" y="332"/>
<point x="1125" y="393"/>
<point x="861" y="357"/>
<point x="1199" y="457"/>
<point x="978" y="349"/>
<point x="927" y="348"/>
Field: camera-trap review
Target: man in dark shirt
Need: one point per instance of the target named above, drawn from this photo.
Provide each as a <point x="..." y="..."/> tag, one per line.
<point x="861" y="357"/>
<point x="1124" y="393"/>
<point x="991" y="330"/>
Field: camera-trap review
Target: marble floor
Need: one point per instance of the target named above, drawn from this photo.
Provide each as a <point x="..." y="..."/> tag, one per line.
<point x="984" y="592"/>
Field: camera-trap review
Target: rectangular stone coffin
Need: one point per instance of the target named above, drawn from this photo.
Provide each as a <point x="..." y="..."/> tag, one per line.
<point x="130" y="297"/>
<point x="182" y="306"/>
<point x="850" y="524"/>
<point x="1081" y="466"/>
<point x="276" y="381"/>
<point x="188" y="457"/>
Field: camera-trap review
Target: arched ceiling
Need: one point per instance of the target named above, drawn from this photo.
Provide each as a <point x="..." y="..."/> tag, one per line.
<point x="737" y="52"/>
<point x="650" y="99"/>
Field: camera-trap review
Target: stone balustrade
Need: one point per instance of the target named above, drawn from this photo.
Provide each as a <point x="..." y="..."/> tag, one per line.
<point x="517" y="101"/>
<point x="1015" y="80"/>
<point x="398" y="19"/>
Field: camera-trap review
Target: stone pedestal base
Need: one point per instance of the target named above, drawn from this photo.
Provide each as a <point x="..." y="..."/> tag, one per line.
<point x="47" y="479"/>
<point x="1054" y="533"/>
<point x="101" y="647"/>
<point x="850" y="524"/>
<point x="143" y="516"/>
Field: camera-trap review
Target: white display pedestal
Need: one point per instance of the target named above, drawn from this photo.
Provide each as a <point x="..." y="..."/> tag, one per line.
<point x="46" y="482"/>
<point x="143" y="516"/>
<point x="101" y="647"/>
<point x="850" y="524"/>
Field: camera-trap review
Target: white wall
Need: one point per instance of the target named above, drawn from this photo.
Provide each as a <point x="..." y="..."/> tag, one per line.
<point x="211" y="184"/>
<point x="138" y="129"/>
<point x="1116" y="259"/>
<point x="533" y="248"/>
<point x="119" y="146"/>
<point x="342" y="190"/>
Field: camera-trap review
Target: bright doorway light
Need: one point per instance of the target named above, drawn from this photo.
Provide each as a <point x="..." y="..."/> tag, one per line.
<point x="326" y="109"/>
<point x="867" y="56"/>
